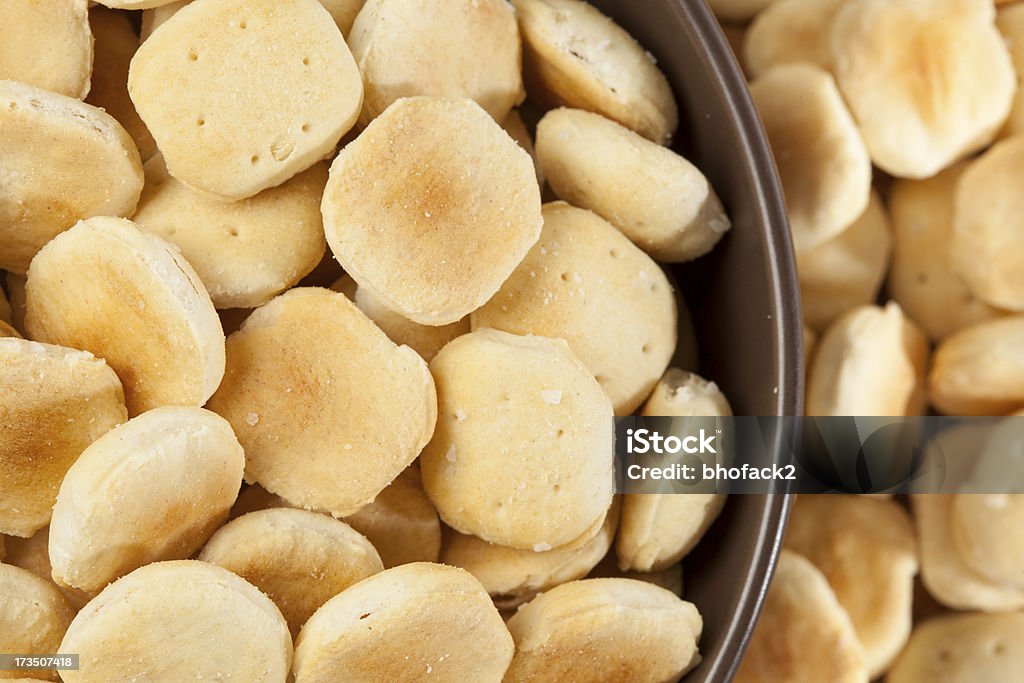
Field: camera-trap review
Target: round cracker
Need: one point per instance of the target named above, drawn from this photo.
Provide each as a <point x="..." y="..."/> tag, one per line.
<point x="7" y="330"/>
<point x="425" y="340"/>
<point x="47" y="44"/>
<point x="584" y="282"/>
<point x="658" y="530"/>
<point x="401" y="522"/>
<point x="870" y="361"/>
<point x="404" y="48"/>
<point x="55" y="402"/>
<point x="116" y="43"/>
<point x="33" y="554"/>
<point x="867" y="552"/>
<point x="510" y="573"/>
<point x="63" y="161"/>
<point x="586" y="631"/>
<point x="658" y="199"/>
<point x="987" y="532"/>
<point x="129" y="297"/>
<point x="122" y="504"/>
<point x="803" y="635"/>
<point x="575" y="56"/>
<point x="158" y="624"/>
<point x="245" y="252"/>
<point x="686" y="394"/>
<point x="848" y="270"/>
<point x="980" y="369"/>
<point x="231" y="125"/>
<point x="963" y="648"/>
<point x="822" y="161"/>
<point x="948" y="578"/>
<point x="522" y="453"/>
<point x="33" y="616"/>
<point x="922" y="278"/>
<point x="789" y="31"/>
<point x="917" y="109"/>
<point x="415" y="621"/>
<point x="431" y="208"/>
<point x="300" y="559"/>
<point x="323" y="429"/>
<point x="342" y="11"/>
<point x="987" y="246"/>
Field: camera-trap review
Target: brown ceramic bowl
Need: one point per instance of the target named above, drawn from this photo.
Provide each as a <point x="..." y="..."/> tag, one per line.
<point x="744" y="299"/>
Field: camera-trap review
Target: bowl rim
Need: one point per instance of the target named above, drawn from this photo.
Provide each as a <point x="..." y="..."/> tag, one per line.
<point x="784" y="292"/>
